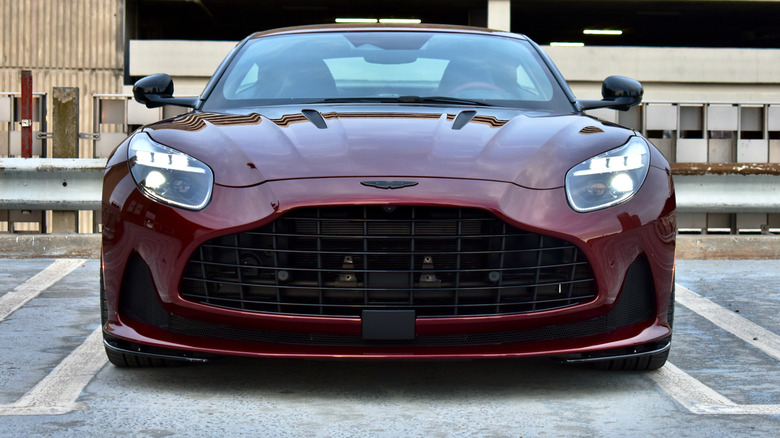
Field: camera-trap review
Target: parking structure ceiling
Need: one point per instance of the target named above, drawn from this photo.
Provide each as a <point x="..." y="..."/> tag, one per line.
<point x="687" y="23"/>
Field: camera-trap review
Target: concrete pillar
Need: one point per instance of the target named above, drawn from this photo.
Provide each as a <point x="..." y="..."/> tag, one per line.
<point x="499" y="14"/>
<point x="65" y="144"/>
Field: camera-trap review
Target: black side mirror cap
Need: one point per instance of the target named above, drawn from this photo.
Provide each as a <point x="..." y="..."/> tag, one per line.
<point x="618" y="93"/>
<point x="157" y="90"/>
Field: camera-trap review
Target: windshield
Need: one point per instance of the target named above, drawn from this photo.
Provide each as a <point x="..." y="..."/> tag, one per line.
<point x="385" y="66"/>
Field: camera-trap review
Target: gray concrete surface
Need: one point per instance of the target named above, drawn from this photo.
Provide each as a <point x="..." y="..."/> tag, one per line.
<point x="54" y="380"/>
<point x="28" y="246"/>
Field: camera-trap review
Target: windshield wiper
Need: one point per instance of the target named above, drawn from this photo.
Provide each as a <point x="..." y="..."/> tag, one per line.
<point x="441" y="99"/>
<point x="357" y="100"/>
<point x="405" y="99"/>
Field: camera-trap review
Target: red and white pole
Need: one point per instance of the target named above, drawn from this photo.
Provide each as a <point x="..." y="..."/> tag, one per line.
<point x="27" y="110"/>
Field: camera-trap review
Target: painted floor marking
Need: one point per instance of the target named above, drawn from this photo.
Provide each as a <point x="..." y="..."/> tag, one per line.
<point x="13" y="300"/>
<point x="694" y="395"/>
<point x="699" y="398"/>
<point x="730" y="321"/>
<point x="58" y="391"/>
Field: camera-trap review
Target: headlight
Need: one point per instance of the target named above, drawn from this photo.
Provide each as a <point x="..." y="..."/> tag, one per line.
<point x="169" y="176"/>
<point x="608" y="179"/>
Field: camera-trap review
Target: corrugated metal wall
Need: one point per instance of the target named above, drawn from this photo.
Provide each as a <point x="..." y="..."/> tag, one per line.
<point x="73" y="43"/>
<point x="65" y="43"/>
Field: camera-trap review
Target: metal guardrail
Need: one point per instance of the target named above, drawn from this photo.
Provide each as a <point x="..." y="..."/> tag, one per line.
<point x="732" y="193"/>
<point x="76" y="184"/>
<point x="51" y="183"/>
<point x="727" y="187"/>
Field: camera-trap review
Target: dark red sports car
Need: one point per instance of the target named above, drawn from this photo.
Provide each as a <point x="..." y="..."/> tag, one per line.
<point x="387" y="192"/>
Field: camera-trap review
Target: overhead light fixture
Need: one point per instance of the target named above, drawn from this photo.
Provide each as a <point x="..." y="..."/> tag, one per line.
<point x="563" y="44"/>
<point x="356" y="20"/>
<point x="400" y="20"/>
<point x="602" y="32"/>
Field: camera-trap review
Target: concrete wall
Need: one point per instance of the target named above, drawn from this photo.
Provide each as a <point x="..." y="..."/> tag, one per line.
<point x="668" y="74"/>
<point x="675" y="74"/>
<point x="190" y="63"/>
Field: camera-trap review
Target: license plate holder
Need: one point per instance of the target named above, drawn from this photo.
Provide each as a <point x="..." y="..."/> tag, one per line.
<point x="388" y="325"/>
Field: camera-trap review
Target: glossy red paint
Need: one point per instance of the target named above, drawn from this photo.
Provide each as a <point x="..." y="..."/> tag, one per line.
<point x="273" y="160"/>
<point x="164" y="237"/>
<point x="401" y="143"/>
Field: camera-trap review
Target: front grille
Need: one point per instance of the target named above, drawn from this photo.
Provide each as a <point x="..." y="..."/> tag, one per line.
<point x="339" y="261"/>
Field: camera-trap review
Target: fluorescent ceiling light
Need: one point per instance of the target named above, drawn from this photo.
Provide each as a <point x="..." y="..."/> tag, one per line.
<point x="562" y="44"/>
<point x="356" y="20"/>
<point x="602" y="32"/>
<point x="400" y="20"/>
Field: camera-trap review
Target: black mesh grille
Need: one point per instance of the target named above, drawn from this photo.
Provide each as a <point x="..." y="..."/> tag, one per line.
<point x="138" y="298"/>
<point x="338" y="261"/>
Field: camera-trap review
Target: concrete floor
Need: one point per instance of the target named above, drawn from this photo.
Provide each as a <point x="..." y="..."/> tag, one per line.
<point x="719" y="381"/>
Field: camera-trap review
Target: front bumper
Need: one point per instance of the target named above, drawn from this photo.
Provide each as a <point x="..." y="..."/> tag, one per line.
<point x="146" y="246"/>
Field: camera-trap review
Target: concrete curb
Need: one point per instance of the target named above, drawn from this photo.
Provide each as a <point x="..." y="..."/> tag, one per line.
<point x="689" y="247"/>
<point x="29" y="246"/>
<point x="728" y="247"/>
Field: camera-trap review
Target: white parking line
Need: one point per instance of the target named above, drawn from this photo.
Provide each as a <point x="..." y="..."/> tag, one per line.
<point x="694" y="395"/>
<point x="57" y="392"/>
<point x="728" y="320"/>
<point x="12" y="301"/>
<point x="699" y="398"/>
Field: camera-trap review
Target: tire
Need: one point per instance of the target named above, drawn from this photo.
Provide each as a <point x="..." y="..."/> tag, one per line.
<point x="642" y="363"/>
<point x="124" y="359"/>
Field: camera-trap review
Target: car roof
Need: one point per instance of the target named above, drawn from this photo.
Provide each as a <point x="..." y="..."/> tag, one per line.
<point x="353" y="27"/>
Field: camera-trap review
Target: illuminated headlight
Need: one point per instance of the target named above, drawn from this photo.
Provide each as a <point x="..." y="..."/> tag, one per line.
<point x="169" y="176"/>
<point x="608" y="179"/>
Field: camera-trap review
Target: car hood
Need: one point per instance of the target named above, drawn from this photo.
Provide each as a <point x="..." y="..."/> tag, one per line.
<point x="529" y="149"/>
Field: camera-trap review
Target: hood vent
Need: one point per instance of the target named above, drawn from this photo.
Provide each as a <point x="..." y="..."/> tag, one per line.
<point x="590" y="130"/>
<point x="315" y="117"/>
<point x="463" y="119"/>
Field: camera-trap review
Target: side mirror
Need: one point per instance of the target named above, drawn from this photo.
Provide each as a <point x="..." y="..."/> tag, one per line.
<point x="621" y="89"/>
<point x="618" y="93"/>
<point x="157" y="90"/>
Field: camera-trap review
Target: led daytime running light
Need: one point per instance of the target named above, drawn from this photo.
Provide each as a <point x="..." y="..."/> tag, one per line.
<point x="612" y="164"/>
<point x="163" y="160"/>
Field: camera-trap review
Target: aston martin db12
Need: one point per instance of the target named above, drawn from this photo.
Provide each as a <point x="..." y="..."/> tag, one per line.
<point x="387" y="192"/>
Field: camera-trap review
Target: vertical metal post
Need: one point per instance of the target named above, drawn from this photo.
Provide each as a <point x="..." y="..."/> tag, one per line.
<point x="27" y="117"/>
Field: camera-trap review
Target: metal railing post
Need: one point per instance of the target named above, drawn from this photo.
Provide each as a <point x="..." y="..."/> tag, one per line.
<point x="27" y="110"/>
